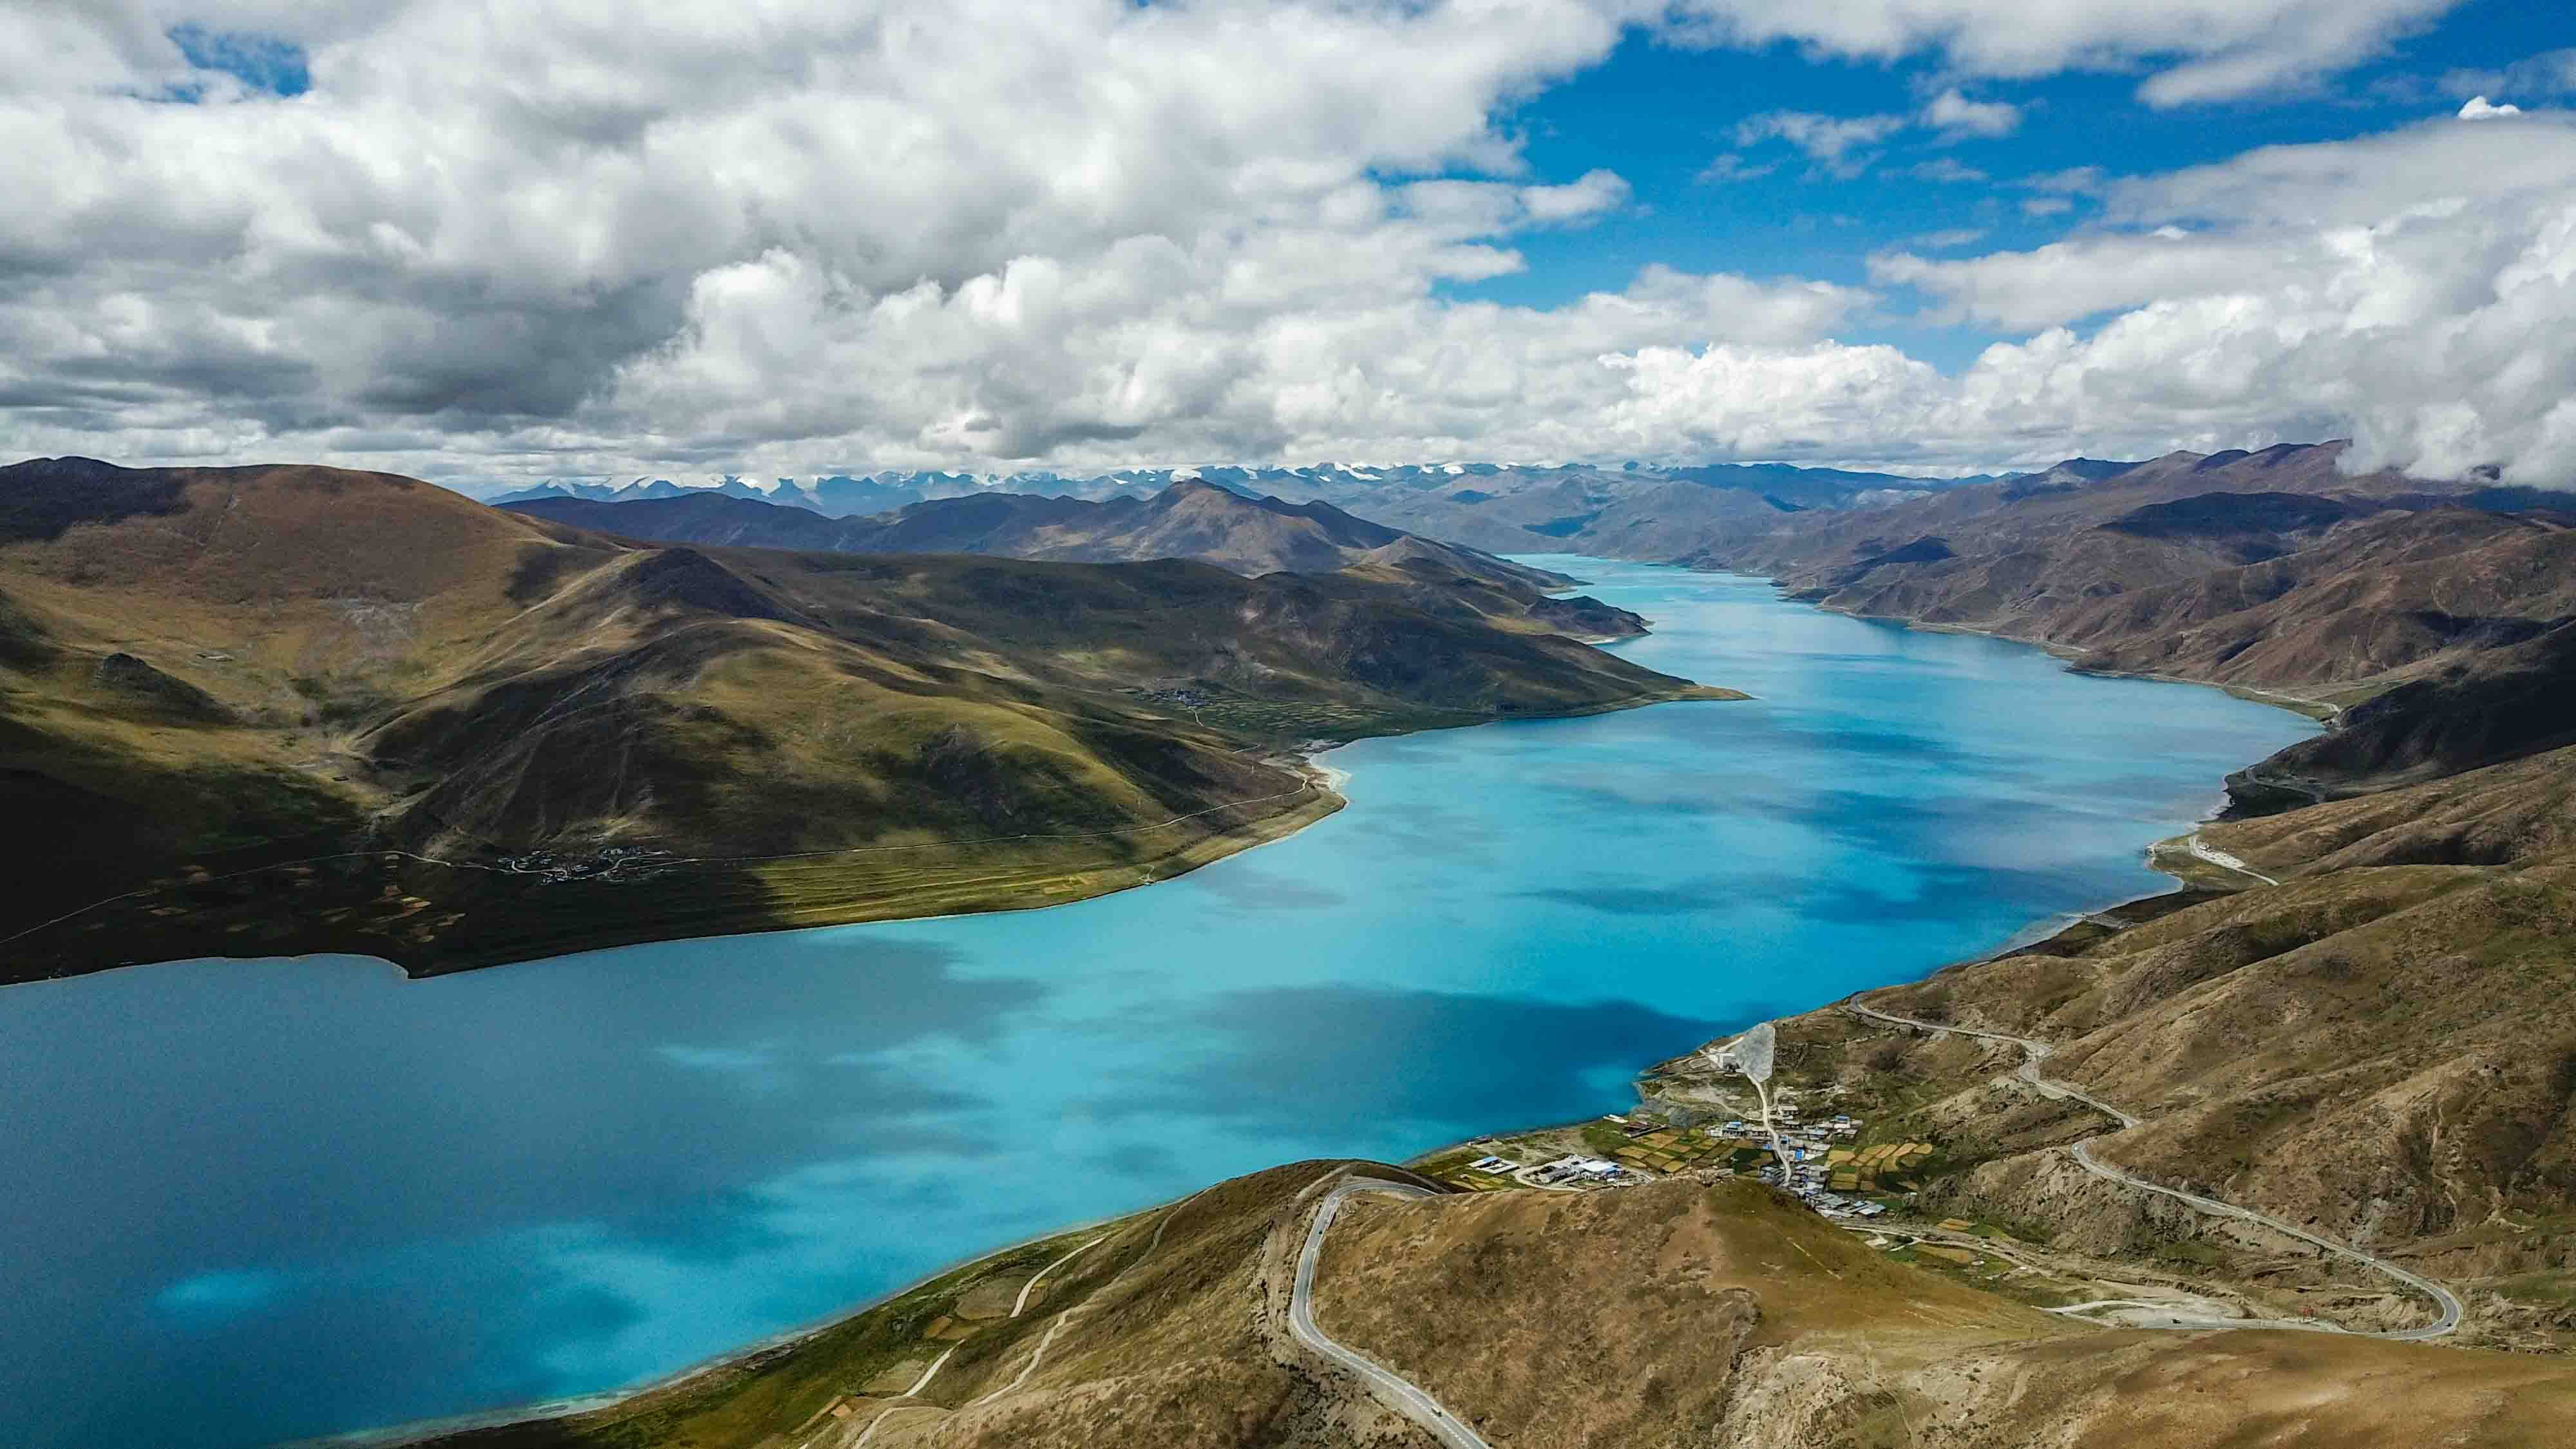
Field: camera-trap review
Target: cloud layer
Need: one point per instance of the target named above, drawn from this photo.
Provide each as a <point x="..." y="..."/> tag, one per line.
<point x="794" y="236"/>
<point x="2197" y="50"/>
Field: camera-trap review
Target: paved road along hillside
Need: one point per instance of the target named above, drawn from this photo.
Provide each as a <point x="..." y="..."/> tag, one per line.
<point x="1397" y="1393"/>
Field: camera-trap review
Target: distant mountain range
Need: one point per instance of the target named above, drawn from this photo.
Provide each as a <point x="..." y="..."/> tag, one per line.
<point x="1188" y="519"/>
<point x="844" y="496"/>
<point x="836" y="497"/>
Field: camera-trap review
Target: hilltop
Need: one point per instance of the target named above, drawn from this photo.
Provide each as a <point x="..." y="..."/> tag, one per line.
<point x="457" y="735"/>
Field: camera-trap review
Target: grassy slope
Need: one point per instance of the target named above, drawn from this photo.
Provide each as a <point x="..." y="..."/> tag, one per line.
<point x="204" y="673"/>
<point x="1678" y="1315"/>
<point x="1675" y="1314"/>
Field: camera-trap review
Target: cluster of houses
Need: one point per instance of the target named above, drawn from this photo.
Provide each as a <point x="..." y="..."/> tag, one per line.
<point x="1822" y="1168"/>
<point x="1817" y="1135"/>
<point x="1812" y="1157"/>
<point x="610" y="863"/>
<point x="1594" y="1170"/>
<point x="1806" y="1182"/>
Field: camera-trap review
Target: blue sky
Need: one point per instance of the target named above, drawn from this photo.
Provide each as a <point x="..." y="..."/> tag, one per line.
<point x="1659" y="114"/>
<point x="270" y="64"/>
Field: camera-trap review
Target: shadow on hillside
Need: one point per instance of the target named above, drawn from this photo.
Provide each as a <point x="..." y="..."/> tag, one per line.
<point x="36" y="506"/>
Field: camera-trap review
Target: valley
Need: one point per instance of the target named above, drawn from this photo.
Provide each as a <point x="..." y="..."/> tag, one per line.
<point x="1288" y="724"/>
<point x="2348" y="1023"/>
<point x="2252" y="1026"/>
<point x="574" y="1174"/>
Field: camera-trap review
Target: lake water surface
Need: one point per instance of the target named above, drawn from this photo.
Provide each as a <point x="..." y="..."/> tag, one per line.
<point x="249" y="1201"/>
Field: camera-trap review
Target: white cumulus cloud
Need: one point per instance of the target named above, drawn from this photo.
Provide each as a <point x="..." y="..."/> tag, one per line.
<point x="1954" y="115"/>
<point x="569" y="237"/>
<point x="2416" y="289"/>
<point x="1834" y="143"/>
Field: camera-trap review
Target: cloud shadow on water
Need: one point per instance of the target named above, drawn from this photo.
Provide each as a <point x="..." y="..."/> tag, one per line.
<point x="1249" y="888"/>
<point x="1341" y="1061"/>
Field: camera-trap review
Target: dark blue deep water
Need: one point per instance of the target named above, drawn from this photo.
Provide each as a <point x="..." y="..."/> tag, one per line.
<point x="248" y="1201"/>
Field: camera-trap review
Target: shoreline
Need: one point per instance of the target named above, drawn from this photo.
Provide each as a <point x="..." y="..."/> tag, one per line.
<point x="758" y="910"/>
<point x="1261" y="830"/>
<point x="431" y="1432"/>
<point x="2324" y="712"/>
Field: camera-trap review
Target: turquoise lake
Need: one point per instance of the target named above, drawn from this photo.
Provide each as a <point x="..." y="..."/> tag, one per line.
<point x="270" y="1199"/>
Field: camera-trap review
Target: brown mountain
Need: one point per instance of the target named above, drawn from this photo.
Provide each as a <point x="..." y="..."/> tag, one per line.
<point x="2038" y="558"/>
<point x="2487" y="707"/>
<point x="2427" y="613"/>
<point x="476" y="731"/>
<point x="1252" y="536"/>
<point x="1189" y="520"/>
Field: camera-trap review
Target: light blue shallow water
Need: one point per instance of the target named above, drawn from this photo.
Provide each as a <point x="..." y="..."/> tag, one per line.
<point x="257" y="1200"/>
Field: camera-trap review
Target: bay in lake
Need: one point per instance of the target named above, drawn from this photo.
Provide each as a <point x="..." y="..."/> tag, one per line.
<point x="250" y="1201"/>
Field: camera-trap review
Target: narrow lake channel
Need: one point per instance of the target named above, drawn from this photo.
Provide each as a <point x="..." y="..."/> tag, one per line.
<point x="251" y="1201"/>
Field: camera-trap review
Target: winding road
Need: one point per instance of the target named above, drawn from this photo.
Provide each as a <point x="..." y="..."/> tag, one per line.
<point x="1395" y="1392"/>
<point x="2035" y="1051"/>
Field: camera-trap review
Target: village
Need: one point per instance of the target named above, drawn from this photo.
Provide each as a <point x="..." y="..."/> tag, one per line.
<point x="1825" y="1160"/>
<point x="611" y="863"/>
